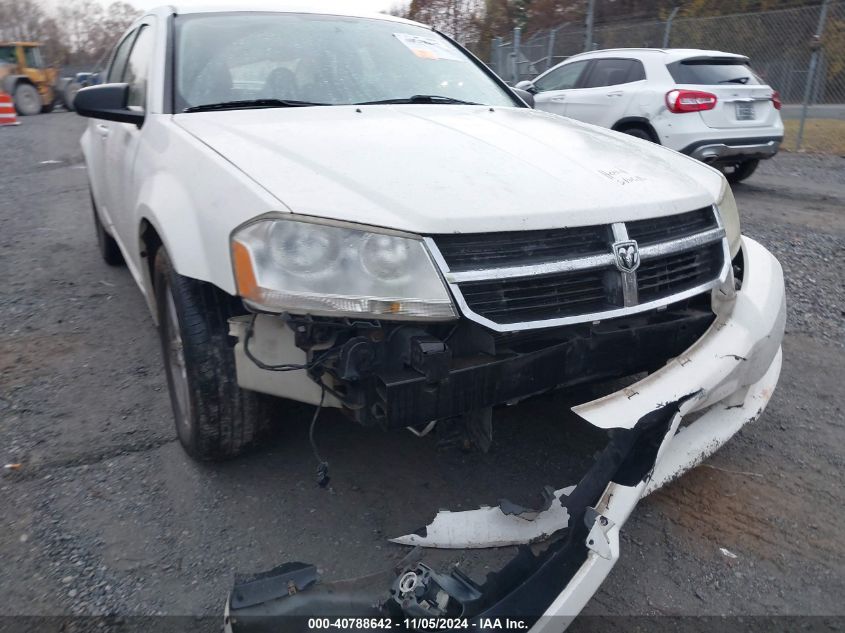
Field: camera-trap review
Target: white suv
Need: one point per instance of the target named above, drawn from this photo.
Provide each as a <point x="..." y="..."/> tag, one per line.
<point x="707" y="104"/>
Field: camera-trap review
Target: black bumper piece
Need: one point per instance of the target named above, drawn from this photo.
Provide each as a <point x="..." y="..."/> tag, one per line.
<point x="405" y="397"/>
<point x="285" y="598"/>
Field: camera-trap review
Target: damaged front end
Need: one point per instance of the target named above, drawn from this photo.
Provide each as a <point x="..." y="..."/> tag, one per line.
<point x="288" y="596"/>
<point x="657" y="428"/>
<point x="535" y="311"/>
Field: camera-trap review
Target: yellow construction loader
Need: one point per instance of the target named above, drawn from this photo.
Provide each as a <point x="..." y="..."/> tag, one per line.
<point x="34" y="86"/>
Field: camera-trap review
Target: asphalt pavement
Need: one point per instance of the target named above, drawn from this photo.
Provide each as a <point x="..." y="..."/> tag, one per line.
<point x="106" y="515"/>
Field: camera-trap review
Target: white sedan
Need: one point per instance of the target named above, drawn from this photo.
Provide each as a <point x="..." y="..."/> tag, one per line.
<point x="353" y="212"/>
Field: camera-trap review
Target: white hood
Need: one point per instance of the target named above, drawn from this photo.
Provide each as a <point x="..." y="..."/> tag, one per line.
<point x="443" y="169"/>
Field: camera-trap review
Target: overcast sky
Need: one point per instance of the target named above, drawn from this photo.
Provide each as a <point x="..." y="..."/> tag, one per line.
<point x="366" y="6"/>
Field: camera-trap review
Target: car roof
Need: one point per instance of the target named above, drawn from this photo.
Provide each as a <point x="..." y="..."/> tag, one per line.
<point x="667" y="55"/>
<point x="328" y="7"/>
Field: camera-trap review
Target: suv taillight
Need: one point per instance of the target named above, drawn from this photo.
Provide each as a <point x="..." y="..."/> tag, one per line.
<point x="776" y="100"/>
<point x="689" y="101"/>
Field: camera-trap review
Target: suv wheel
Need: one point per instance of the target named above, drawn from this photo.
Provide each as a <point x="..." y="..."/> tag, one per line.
<point x="741" y="171"/>
<point x="27" y="100"/>
<point x="639" y="133"/>
<point x="215" y="419"/>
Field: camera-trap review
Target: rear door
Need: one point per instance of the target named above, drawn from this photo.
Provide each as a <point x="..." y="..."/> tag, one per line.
<point x="554" y="86"/>
<point x="606" y="91"/>
<point x="743" y="99"/>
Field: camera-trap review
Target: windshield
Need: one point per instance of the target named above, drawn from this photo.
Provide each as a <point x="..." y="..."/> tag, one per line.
<point x="331" y="60"/>
<point x="8" y="55"/>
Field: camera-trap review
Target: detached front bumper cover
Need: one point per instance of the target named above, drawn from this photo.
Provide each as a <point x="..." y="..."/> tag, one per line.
<point x="726" y="379"/>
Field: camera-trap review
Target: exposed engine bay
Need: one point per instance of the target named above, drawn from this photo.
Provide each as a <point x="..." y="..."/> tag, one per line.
<point x="395" y="375"/>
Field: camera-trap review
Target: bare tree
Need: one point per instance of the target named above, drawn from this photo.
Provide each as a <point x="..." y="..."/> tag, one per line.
<point x="459" y="19"/>
<point x="21" y="20"/>
<point x="91" y="30"/>
<point x="79" y="33"/>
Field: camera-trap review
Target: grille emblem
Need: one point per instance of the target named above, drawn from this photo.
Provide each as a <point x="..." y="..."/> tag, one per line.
<point x="627" y="256"/>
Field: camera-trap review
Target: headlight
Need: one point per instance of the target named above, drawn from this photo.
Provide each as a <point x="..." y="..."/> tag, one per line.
<point x="730" y="217"/>
<point x="284" y="265"/>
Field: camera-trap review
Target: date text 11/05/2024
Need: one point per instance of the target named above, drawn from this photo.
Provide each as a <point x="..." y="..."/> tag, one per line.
<point x="434" y="624"/>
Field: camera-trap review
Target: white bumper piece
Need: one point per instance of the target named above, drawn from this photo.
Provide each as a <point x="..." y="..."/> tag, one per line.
<point x="723" y="382"/>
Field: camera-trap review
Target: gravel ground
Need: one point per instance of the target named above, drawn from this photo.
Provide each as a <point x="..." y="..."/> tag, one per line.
<point x="107" y="515"/>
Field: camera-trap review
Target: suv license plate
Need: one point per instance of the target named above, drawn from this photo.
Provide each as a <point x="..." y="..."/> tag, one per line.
<point x="744" y="111"/>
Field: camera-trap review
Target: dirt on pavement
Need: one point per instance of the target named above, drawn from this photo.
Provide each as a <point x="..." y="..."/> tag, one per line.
<point x="106" y="514"/>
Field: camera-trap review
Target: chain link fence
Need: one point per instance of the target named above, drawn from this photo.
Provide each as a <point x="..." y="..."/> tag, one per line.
<point x="800" y="51"/>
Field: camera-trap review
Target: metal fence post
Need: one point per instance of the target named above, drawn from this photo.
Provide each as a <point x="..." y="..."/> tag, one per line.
<point x="588" y="36"/>
<point x="668" y="30"/>
<point x="517" y="42"/>
<point x="550" y="51"/>
<point x="496" y="55"/>
<point x="811" y="72"/>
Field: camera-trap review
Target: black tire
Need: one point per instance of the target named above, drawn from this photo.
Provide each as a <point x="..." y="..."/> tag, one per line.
<point x="215" y="419"/>
<point x="48" y="108"/>
<point x="27" y="100"/>
<point x="107" y="245"/>
<point x="741" y="171"/>
<point x="69" y="94"/>
<point x="639" y="132"/>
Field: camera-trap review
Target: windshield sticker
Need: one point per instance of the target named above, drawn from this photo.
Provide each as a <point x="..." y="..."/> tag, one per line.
<point x="428" y="47"/>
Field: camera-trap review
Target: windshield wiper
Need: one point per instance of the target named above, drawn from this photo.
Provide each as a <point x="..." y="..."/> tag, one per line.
<point x="420" y="99"/>
<point x="735" y="80"/>
<point x="247" y="104"/>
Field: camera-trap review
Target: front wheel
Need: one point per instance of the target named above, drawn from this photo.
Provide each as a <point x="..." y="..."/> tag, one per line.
<point x="27" y="100"/>
<point x="741" y="171"/>
<point x="215" y="418"/>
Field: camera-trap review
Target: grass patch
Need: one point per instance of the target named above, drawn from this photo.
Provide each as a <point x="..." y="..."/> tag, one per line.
<point x="820" y="135"/>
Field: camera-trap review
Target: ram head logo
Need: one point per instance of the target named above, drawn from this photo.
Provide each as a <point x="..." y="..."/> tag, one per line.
<point x="627" y="256"/>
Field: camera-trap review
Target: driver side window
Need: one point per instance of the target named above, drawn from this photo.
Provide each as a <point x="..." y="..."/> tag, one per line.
<point x="562" y="78"/>
<point x="121" y="54"/>
<point x="138" y="68"/>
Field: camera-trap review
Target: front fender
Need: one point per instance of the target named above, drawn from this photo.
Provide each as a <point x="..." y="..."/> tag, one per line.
<point x="10" y="81"/>
<point x="167" y="209"/>
<point x="193" y="199"/>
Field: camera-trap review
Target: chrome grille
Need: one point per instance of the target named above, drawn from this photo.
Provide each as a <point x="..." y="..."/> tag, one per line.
<point x="672" y="227"/>
<point x="540" y="297"/>
<point x="508" y="282"/>
<point x="488" y="250"/>
<point x="667" y="275"/>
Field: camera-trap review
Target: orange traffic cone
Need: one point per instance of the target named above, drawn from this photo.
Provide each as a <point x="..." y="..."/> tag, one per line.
<point x="7" y="111"/>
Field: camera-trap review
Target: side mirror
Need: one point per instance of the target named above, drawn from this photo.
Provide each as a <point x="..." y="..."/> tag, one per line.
<point x="525" y="96"/>
<point x="527" y="86"/>
<point x="107" y="102"/>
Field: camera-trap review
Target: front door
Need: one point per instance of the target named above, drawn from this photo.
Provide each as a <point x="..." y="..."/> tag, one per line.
<point x="553" y="87"/>
<point x="122" y="148"/>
